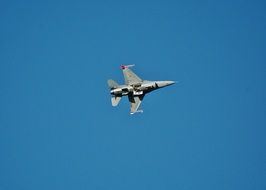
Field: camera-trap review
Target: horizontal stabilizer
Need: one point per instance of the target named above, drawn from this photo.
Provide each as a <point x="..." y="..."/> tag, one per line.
<point x="112" y="84"/>
<point x="115" y="100"/>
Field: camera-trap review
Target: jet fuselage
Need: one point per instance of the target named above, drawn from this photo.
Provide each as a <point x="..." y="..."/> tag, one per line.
<point x="139" y="88"/>
<point x="135" y="88"/>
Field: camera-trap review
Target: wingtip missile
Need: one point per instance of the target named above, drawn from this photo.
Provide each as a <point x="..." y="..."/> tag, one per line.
<point x="126" y="66"/>
<point x="138" y="111"/>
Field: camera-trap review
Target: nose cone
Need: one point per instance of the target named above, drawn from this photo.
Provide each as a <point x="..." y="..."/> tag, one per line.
<point x="161" y="84"/>
<point x="168" y="83"/>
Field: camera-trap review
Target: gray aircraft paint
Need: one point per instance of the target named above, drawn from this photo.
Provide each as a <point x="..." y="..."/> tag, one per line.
<point x="135" y="88"/>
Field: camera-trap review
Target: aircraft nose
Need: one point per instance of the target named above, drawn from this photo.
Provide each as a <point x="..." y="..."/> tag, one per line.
<point x="161" y="84"/>
<point x="170" y="83"/>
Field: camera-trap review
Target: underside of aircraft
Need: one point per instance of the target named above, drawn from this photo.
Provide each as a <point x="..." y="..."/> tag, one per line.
<point x="135" y="88"/>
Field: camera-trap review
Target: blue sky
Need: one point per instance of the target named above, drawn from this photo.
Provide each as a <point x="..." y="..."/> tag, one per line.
<point x="58" y="129"/>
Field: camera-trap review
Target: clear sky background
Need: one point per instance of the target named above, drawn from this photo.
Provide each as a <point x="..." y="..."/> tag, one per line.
<point x="58" y="129"/>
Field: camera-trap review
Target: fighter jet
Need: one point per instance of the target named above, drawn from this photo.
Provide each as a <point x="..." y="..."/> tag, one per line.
<point x="135" y="88"/>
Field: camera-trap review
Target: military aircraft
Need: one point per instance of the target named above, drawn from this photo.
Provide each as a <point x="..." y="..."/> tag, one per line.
<point x="135" y="88"/>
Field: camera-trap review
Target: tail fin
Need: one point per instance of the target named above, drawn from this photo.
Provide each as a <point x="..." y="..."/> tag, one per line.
<point x="112" y="84"/>
<point x="115" y="100"/>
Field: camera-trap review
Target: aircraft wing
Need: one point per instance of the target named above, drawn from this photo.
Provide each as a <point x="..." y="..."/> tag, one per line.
<point x="135" y="102"/>
<point x="129" y="75"/>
